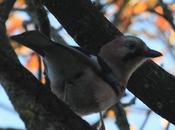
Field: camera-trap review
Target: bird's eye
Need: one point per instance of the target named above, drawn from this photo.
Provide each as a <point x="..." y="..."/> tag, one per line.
<point x="131" y="46"/>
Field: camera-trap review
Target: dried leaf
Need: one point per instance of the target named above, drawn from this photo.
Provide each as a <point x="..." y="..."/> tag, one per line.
<point x="19" y="4"/>
<point x="140" y="7"/>
<point x="33" y="63"/>
<point x="159" y="9"/>
<point x="14" y="22"/>
<point x="162" y="24"/>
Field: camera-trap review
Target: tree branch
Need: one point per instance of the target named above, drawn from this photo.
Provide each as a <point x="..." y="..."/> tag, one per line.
<point x="155" y="87"/>
<point x="83" y="22"/>
<point x="5" y="6"/>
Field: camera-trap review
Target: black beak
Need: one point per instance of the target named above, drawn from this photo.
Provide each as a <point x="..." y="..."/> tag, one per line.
<point x="151" y="53"/>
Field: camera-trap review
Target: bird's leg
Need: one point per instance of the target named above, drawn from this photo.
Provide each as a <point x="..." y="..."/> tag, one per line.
<point x="101" y="124"/>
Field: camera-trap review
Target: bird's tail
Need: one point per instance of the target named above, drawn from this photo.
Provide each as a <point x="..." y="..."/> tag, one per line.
<point x="34" y="40"/>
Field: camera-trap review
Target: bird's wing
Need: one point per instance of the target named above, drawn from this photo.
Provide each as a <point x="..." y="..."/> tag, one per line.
<point x="84" y="51"/>
<point x="106" y="71"/>
<point x="70" y="62"/>
<point x="64" y="54"/>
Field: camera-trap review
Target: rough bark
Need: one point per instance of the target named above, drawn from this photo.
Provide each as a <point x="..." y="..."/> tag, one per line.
<point x="91" y="30"/>
<point x="83" y="22"/>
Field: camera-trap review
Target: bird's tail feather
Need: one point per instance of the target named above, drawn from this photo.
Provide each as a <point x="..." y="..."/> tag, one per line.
<point x="34" y="40"/>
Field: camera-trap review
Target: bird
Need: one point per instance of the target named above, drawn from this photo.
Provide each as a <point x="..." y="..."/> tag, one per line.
<point x="89" y="83"/>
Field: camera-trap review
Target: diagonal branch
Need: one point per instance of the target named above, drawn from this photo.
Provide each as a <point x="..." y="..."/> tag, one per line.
<point x="83" y="21"/>
<point x="5" y="6"/>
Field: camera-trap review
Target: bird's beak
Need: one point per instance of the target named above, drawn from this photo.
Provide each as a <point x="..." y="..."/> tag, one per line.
<point x="151" y="53"/>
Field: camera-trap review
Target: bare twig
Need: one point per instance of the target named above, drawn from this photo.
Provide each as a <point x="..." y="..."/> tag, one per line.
<point x="146" y="119"/>
<point x="131" y="102"/>
<point x="8" y="129"/>
<point x="39" y="67"/>
<point x="121" y="119"/>
<point x="168" y="126"/>
<point x="167" y="13"/>
<point x="117" y="14"/>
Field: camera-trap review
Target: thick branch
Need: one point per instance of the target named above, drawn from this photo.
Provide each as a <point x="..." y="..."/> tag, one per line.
<point x="83" y="22"/>
<point x="5" y="8"/>
<point x="155" y="87"/>
<point x="91" y="30"/>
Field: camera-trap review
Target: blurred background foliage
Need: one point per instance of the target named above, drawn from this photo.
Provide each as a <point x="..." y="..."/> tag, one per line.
<point x="151" y="20"/>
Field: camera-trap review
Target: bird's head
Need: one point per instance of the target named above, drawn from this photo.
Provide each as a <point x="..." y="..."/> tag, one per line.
<point x="134" y="49"/>
<point x="126" y="53"/>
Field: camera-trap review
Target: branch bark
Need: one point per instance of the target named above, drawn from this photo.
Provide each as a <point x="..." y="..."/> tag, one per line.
<point x="150" y="83"/>
<point x="83" y="22"/>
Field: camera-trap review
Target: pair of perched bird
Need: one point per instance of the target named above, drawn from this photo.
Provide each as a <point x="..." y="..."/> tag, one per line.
<point x="86" y="84"/>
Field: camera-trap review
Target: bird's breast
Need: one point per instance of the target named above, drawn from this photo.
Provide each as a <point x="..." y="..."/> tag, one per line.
<point x="89" y="93"/>
<point x="82" y="89"/>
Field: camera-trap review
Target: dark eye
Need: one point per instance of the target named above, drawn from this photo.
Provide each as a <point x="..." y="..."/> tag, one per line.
<point x="131" y="46"/>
